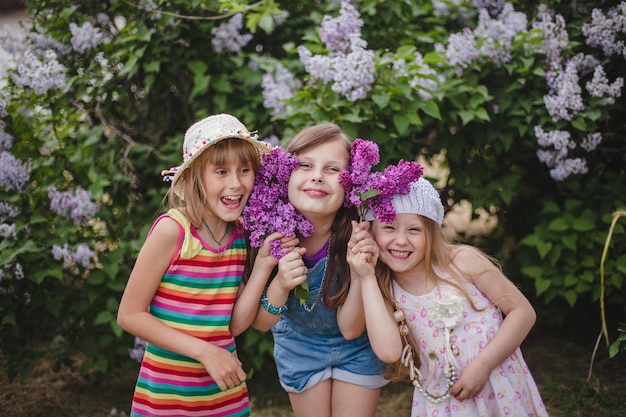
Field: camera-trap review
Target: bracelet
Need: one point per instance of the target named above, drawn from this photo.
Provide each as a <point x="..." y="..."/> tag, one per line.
<point x="265" y="303"/>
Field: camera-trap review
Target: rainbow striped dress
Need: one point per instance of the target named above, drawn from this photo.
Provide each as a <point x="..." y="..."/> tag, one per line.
<point x="196" y="296"/>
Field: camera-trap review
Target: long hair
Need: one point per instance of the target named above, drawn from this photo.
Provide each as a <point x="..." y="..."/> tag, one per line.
<point x="337" y="271"/>
<point x="220" y="154"/>
<point x="439" y="254"/>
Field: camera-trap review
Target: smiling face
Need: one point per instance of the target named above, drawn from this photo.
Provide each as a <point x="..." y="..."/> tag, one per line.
<point x="314" y="187"/>
<point x="227" y="188"/>
<point x="402" y="244"/>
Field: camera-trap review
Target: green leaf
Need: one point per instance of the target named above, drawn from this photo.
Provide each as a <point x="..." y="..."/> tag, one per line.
<point x="558" y="225"/>
<point x="381" y="100"/>
<point x="583" y="225"/>
<point x="542" y="285"/>
<point x="302" y="292"/>
<point x="543" y="248"/>
<point x="430" y="108"/>
<point x="103" y="317"/>
<point x="401" y="123"/>
<point x="369" y="194"/>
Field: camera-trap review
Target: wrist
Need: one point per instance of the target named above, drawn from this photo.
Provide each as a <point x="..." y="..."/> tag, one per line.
<point x="269" y="307"/>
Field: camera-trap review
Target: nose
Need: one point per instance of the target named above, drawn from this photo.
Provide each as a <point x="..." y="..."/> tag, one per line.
<point x="318" y="176"/>
<point x="234" y="181"/>
<point x="401" y="238"/>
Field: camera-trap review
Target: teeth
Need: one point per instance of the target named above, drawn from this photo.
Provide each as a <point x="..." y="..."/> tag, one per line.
<point x="400" y="254"/>
<point x="230" y="197"/>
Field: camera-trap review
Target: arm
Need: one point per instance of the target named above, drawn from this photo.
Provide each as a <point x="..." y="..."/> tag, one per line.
<point x="519" y="319"/>
<point x="291" y="273"/>
<point x="368" y="308"/>
<point x="134" y="316"/>
<point x="247" y="304"/>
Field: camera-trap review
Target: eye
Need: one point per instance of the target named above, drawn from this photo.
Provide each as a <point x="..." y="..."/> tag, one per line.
<point x="305" y="165"/>
<point x="415" y="230"/>
<point x="245" y="170"/>
<point x="220" y="171"/>
<point x="333" y="169"/>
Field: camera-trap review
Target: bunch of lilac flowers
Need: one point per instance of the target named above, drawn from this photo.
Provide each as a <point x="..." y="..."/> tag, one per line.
<point x="268" y="209"/>
<point x="367" y="190"/>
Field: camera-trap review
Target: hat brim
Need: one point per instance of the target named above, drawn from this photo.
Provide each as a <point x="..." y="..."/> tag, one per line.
<point x="178" y="186"/>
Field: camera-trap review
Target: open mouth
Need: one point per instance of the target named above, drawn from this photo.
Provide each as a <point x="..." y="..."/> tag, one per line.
<point x="399" y="253"/>
<point x="231" y="201"/>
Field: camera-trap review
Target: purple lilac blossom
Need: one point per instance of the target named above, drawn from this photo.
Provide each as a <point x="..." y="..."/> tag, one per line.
<point x="591" y="141"/>
<point x="138" y="349"/>
<point x="599" y="86"/>
<point x="268" y="209"/>
<point x="336" y="33"/>
<point x="491" y="40"/>
<point x="561" y="166"/>
<point x="603" y="30"/>
<point x="423" y="81"/>
<point x="278" y="88"/>
<point x="375" y="190"/>
<point x="81" y="256"/>
<point x="6" y="140"/>
<point x="87" y="36"/>
<point x="8" y="230"/>
<point x="554" y="34"/>
<point x="14" y="174"/>
<point x="152" y="9"/>
<point x="349" y="64"/>
<point x="564" y="99"/>
<point x="8" y="210"/>
<point x="75" y="205"/>
<point x="39" y="73"/>
<point x="226" y="37"/>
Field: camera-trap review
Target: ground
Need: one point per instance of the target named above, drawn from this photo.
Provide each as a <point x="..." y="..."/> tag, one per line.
<point x="560" y="368"/>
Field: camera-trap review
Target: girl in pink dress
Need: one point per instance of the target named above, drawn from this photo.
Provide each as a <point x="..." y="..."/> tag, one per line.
<point x="461" y="321"/>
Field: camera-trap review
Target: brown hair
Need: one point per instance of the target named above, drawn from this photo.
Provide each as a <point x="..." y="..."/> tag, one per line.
<point x="220" y="154"/>
<point x="439" y="253"/>
<point x="337" y="271"/>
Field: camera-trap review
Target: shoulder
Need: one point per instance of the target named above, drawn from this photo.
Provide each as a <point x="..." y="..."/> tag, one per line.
<point x="166" y="227"/>
<point x="470" y="261"/>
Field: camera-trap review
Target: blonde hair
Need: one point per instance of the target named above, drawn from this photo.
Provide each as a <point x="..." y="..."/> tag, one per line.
<point x="440" y="253"/>
<point x="193" y="204"/>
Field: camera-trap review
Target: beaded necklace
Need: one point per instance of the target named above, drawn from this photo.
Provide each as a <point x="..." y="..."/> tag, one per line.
<point x="447" y="314"/>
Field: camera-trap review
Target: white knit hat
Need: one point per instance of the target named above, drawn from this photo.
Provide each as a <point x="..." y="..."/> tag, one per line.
<point x="206" y="133"/>
<point x="423" y="199"/>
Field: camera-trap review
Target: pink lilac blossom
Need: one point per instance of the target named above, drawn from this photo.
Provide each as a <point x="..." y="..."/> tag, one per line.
<point x="81" y="256"/>
<point x="14" y="173"/>
<point x="278" y="88"/>
<point x="268" y="209"/>
<point x="227" y="36"/>
<point x="75" y="205"/>
<point x="599" y="86"/>
<point x="374" y="190"/>
<point x="603" y="30"/>
<point x="87" y="36"/>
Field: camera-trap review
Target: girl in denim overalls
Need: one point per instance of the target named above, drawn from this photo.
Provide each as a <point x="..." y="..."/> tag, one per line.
<point x="324" y="373"/>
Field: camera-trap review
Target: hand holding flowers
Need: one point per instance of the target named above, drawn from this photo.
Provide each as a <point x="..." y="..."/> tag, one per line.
<point x="375" y="190"/>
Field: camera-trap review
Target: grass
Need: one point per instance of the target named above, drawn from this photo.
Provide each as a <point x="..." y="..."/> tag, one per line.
<point x="560" y="368"/>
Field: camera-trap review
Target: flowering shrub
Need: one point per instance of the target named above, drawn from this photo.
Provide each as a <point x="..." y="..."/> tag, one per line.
<point x="522" y="104"/>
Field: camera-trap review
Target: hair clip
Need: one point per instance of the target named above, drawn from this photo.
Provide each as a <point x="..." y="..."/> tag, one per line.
<point x="168" y="174"/>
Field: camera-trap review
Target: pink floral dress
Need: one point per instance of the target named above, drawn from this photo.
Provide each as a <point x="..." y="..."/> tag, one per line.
<point x="510" y="390"/>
